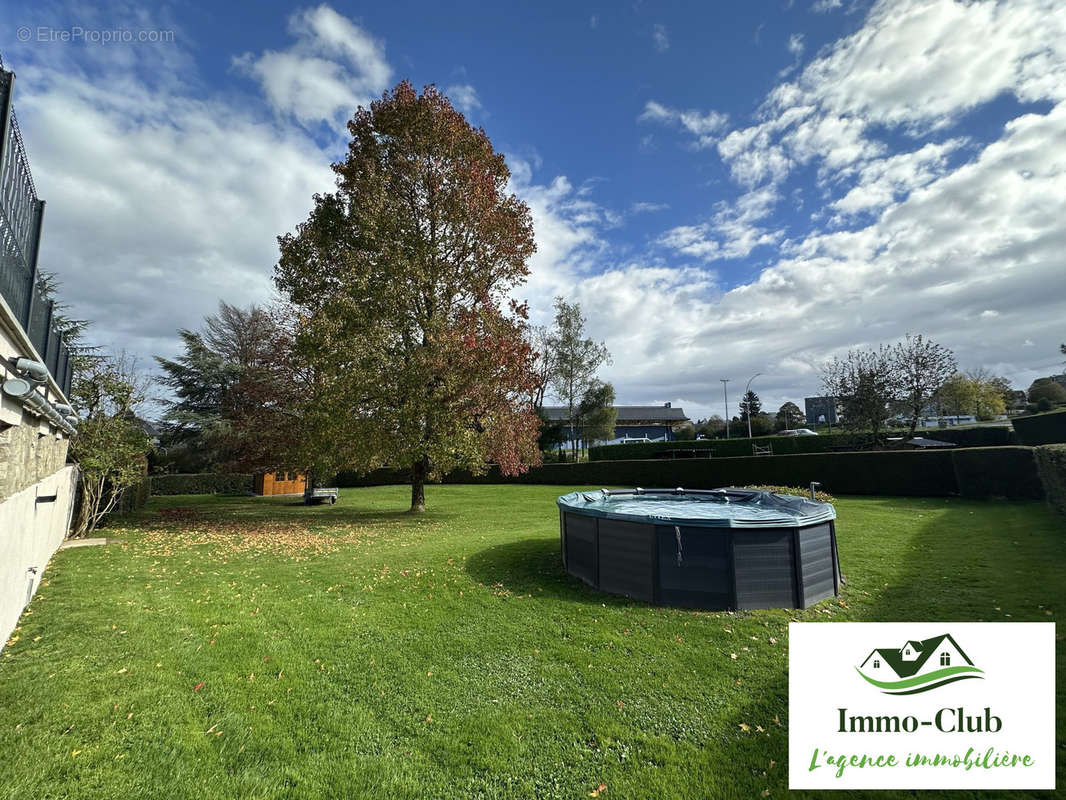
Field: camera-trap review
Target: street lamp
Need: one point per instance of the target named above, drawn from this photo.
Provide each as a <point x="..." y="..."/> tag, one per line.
<point x="725" y="394"/>
<point x="748" y="386"/>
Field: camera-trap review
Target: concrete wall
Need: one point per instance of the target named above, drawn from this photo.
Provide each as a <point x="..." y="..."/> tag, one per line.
<point x="30" y="532"/>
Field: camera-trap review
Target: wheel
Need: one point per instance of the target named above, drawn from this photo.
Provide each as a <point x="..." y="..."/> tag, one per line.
<point x="333" y="501"/>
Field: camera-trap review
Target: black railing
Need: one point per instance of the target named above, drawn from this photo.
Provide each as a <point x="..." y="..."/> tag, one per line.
<point x="21" y="213"/>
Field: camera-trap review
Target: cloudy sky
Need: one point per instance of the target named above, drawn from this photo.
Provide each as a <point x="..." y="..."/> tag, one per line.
<point x="727" y="189"/>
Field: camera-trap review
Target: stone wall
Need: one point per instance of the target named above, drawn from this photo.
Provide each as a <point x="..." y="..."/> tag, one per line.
<point x="27" y="457"/>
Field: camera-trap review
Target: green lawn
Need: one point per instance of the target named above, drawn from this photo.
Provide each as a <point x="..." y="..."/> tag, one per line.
<point x="256" y="648"/>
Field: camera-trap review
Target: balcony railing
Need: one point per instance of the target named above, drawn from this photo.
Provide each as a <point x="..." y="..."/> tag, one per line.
<point x="21" y="213"/>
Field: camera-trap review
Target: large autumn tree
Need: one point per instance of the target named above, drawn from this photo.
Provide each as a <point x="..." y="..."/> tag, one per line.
<point x="400" y="279"/>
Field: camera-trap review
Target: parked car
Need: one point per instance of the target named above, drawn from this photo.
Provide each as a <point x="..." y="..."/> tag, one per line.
<point x="798" y="432"/>
<point x="635" y="440"/>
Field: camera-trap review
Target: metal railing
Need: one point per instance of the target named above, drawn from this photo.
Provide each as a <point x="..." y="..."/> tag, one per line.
<point x="21" y="214"/>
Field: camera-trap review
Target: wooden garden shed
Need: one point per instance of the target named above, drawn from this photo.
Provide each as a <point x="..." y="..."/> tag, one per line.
<point x="271" y="483"/>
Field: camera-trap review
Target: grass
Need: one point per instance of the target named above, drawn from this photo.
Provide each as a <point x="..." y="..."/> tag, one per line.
<point x="256" y="648"/>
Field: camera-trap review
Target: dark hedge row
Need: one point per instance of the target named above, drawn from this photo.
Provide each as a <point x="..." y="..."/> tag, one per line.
<point x="1051" y="463"/>
<point x="789" y="445"/>
<point x="1039" y="429"/>
<point x="203" y="483"/>
<point x="978" y="472"/>
<point x="997" y="472"/>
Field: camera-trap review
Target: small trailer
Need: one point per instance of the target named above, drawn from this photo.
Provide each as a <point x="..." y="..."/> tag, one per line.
<point x="320" y="495"/>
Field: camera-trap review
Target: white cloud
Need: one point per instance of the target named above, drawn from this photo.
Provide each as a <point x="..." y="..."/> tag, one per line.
<point x="795" y="44"/>
<point x="881" y="181"/>
<point x="825" y="6"/>
<point x="333" y="67"/>
<point x="160" y="200"/>
<point x="645" y="207"/>
<point x="704" y="126"/>
<point x="956" y="238"/>
<point x="660" y="38"/>
<point x="733" y="231"/>
<point x="464" y="97"/>
<point x="916" y="66"/>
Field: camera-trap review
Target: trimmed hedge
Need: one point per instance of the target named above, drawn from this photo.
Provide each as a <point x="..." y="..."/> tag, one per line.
<point x="203" y="483"/>
<point x="986" y="472"/>
<point x="1010" y="472"/>
<point x="1051" y="464"/>
<point x="1037" y="429"/>
<point x="986" y="436"/>
<point x="982" y="436"/>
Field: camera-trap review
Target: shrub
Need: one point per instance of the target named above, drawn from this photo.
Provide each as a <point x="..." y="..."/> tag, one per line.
<point x="796" y="491"/>
<point x="1011" y="472"/>
<point x="1051" y="464"/>
<point x="1040" y="429"/>
<point x="200" y="483"/>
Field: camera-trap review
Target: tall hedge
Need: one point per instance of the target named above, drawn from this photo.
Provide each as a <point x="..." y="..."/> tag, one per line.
<point x="1037" y="429"/>
<point x="986" y="472"/>
<point x="997" y="472"/>
<point x="204" y="483"/>
<point x="985" y="436"/>
<point x="1051" y="463"/>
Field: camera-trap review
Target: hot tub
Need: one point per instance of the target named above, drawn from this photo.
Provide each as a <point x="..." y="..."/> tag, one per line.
<point x="712" y="549"/>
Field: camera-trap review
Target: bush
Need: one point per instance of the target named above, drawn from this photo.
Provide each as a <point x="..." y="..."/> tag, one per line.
<point x="1011" y="472"/>
<point x="1051" y="464"/>
<point x="200" y="483"/>
<point x="1038" y="429"/>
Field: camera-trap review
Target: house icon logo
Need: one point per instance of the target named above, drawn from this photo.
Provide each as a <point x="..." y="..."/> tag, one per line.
<point x="918" y="666"/>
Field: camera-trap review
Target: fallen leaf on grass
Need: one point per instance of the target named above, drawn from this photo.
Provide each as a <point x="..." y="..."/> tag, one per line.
<point x="198" y="686"/>
<point x="745" y="727"/>
<point x="601" y="789"/>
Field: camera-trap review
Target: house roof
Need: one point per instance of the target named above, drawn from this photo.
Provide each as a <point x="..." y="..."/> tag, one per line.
<point x="925" y="648"/>
<point x="627" y="414"/>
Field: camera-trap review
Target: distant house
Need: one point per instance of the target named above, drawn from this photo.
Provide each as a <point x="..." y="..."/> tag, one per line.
<point x="914" y="658"/>
<point x="634" y="422"/>
<point x="947" y="421"/>
<point x="820" y="409"/>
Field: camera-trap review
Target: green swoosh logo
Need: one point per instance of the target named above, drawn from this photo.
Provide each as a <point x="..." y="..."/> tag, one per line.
<point x="923" y="683"/>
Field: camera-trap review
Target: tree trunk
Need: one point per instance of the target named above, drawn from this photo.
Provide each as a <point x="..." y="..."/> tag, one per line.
<point x="419" y="471"/>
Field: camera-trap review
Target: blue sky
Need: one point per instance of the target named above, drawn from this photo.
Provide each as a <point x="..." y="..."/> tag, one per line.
<point x="726" y="188"/>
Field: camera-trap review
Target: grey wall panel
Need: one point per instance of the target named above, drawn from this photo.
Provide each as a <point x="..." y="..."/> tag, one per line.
<point x="765" y="572"/>
<point x="581" y="547"/>
<point x="704" y="578"/>
<point x="626" y="558"/>
<point x="816" y="561"/>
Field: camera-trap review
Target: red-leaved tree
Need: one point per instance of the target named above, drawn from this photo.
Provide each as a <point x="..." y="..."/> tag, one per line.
<point x="401" y="281"/>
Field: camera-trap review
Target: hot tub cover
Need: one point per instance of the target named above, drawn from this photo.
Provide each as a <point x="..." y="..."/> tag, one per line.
<point x="714" y="508"/>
